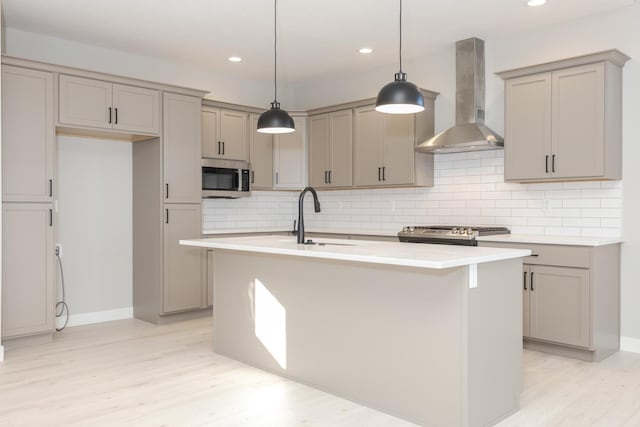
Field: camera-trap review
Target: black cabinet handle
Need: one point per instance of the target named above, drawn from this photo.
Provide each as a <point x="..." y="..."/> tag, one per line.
<point x="167" y="190"/>
<point x="166" y="219"/>
<point x="525" y="281"/>
<point x="219" y="148"/>
<point x="553" y="163"/>
<point x="50" y="188"/>
<point x="532" y="282"/>
<point x="384" y="171"/>
<point x="325" y="177"/>
<point x="109" y="114"/>
<point x="534" y="255"/>
<point x="223" y="148"/>
<point x="116" y="109"/>
<point x="330" y="177"/>
<point x="253" y="177"/>
<point x="50" y="217"/>
<point x="379" y="174"/>
<point x="546" y="164"/>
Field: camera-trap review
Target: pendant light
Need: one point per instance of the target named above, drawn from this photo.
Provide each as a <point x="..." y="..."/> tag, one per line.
<point x="400" y="96"/>
<point x="275" y="120"/>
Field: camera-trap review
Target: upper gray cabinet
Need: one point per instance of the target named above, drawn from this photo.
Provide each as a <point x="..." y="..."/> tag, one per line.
<point x="563" y="120"/>
<point x="28" y="135"/>
<point x="260" y="156"/>
<point x="101" y="104"/>
<point x="224" y="134"/>
<point x="330" y="149"/>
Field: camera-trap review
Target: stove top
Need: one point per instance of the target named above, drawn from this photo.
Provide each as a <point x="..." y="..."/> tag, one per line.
<point x="448" y="234"/>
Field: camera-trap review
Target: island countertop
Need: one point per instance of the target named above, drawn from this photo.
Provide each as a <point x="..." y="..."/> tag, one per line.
<point x="392" y="253"/>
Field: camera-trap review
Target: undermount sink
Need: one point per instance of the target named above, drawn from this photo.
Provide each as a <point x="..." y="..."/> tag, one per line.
<point x="311" y="242"/>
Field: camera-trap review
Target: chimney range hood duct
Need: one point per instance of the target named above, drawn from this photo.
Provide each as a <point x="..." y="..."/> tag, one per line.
<point x="469" y="132"/>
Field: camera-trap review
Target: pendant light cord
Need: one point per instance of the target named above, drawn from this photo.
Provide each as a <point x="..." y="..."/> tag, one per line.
<point x="400" y="50"/>
<point x="275" y="49"/>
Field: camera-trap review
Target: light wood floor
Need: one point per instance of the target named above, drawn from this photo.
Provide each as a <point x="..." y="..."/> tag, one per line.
<point x="131" y="373"/>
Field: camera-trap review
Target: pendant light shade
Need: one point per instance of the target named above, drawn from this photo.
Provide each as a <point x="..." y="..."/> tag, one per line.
<point x="275" y="120"/>
<point x="400" y="96"/>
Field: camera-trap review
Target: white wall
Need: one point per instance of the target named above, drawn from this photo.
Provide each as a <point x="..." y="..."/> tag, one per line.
<point x="1" y="44"/>
<point x="226" y="88"/>
<point x="95" y="204"/>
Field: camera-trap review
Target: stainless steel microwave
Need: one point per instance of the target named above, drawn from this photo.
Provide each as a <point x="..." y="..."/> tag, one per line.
<point x="225" y="178"/>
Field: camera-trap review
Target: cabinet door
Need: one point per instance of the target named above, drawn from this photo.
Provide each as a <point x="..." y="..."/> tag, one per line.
<point x="319" y="152"/>
<point x="341" y="150"/>
<point x="136" y="109"/>
<point x="28" y="135"/>
<point x="369" y="129"/>
<point x="260" y="155"/>
<point x="86" y="102"/>
<point x="398" y="149"/>
<point x="559" y="305"/>
<point x="210" y="256"/>
<point x="28" y="270"/>
<point x="290" y="157"/>
<point x="578" y="121"/>
<point x="526" y="285"/>
<point x="181" y="149"/>
<point x="528" y="128"/>
<point x="211" y="145"/>
<point x="182" y="283"/>
<point x="233" y="135"/>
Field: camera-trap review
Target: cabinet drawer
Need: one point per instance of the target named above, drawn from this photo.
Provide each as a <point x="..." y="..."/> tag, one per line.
<point x="559" y="255"/>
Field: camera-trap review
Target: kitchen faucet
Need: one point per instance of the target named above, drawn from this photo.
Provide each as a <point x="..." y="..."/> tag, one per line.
<point x="316" y="205"/>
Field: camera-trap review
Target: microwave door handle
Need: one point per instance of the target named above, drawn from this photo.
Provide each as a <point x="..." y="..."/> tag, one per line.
<point x="237" y="181"/>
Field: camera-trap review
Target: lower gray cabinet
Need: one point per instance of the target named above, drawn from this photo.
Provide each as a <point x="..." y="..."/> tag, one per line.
<point x="182" y="282"/>
<point x="210" y="278"/>
<point x="28" y="269"/>
<point x="558" y="300"/>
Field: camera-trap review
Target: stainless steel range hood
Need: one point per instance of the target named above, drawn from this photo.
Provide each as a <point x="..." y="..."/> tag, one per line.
<point x="469" y="132"/>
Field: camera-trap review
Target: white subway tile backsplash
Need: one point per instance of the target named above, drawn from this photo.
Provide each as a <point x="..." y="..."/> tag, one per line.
<point x="469" y="188"/>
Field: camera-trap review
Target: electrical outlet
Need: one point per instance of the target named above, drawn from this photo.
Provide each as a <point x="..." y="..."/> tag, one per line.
<point x="59" y="250"/>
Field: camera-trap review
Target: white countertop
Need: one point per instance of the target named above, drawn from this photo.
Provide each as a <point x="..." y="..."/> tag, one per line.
<point x="361" y="232"/>
<point x="552" y="240"/>
<point x="394" y="253"/>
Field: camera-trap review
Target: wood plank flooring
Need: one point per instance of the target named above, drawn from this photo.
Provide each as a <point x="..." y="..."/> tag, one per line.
<point x="131" y="373"/>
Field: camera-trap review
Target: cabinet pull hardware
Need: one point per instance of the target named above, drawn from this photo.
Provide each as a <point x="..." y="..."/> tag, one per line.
<point x="223" y="148"/>
<point x="50" y="217"/>
<point x="50" y="188"/>
<point x="167" y="190"/>
<point x="277" y="181"/>
<point x="166" y="220"/>
<point x="379" y="172"/>
<point x="534" y="255"/>
<point x="546" y="164"/>
<point x="109" y="114"/>
<point x="384" y="170"/>
<point x="525" y="281"/>
<point x="330" y="177"/>
<point x="532" y="289"/>
<point x="116" y="110"/>
<point x="219" y="152"/>
<point x="325" y="177"/>
<point x="553" y="163"/>
<point x="253" y="177"/>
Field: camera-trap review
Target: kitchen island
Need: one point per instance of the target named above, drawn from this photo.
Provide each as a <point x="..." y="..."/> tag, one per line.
<point x="428" y="333"/>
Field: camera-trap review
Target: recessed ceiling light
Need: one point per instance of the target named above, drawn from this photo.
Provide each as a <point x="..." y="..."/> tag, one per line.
<point x="365" y="50"/>
<point x="534" y="3"/>
<point x="235" y="59"/>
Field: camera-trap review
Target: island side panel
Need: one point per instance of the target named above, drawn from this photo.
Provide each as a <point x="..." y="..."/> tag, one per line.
<point x="389" y="337"/>
<point x="495" y="342"/>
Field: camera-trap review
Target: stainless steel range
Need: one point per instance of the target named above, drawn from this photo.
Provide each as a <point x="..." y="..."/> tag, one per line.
<point x="448" y="234"/>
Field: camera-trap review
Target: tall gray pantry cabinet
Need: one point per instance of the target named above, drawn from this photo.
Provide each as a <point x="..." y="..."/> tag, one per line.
<point x="163" y="123"/>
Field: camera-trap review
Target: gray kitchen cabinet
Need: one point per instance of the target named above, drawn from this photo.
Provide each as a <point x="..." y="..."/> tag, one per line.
<point x="289" y="157"/>
<point x="330" y="149"/>
<point x="384" y="149"/>
<point x="571" y="299"/>
<point x="28" y="135"/>
<point x="28" y="269"/>
<point x="181" y="149"/>
<point x="210" y="256"/>
<point x="260" y="156"/>
<point x="563" y="120"/>
<point x="182" y="275"/>
<point x="224" y="134"/>
<point x="101" y="104"/>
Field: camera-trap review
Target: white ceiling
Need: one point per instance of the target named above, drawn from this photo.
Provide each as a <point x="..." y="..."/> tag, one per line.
<point x="315" y="36"/>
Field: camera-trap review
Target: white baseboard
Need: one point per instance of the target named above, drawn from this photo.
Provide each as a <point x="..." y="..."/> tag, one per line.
<point x="100" y="316"/>
<point x="630" y="344"/>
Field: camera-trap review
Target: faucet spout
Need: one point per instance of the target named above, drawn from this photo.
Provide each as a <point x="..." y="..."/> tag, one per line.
<point x="316" y="207"/>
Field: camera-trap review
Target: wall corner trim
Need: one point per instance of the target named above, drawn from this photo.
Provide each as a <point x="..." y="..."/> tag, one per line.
<point x="1" y="353"/>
